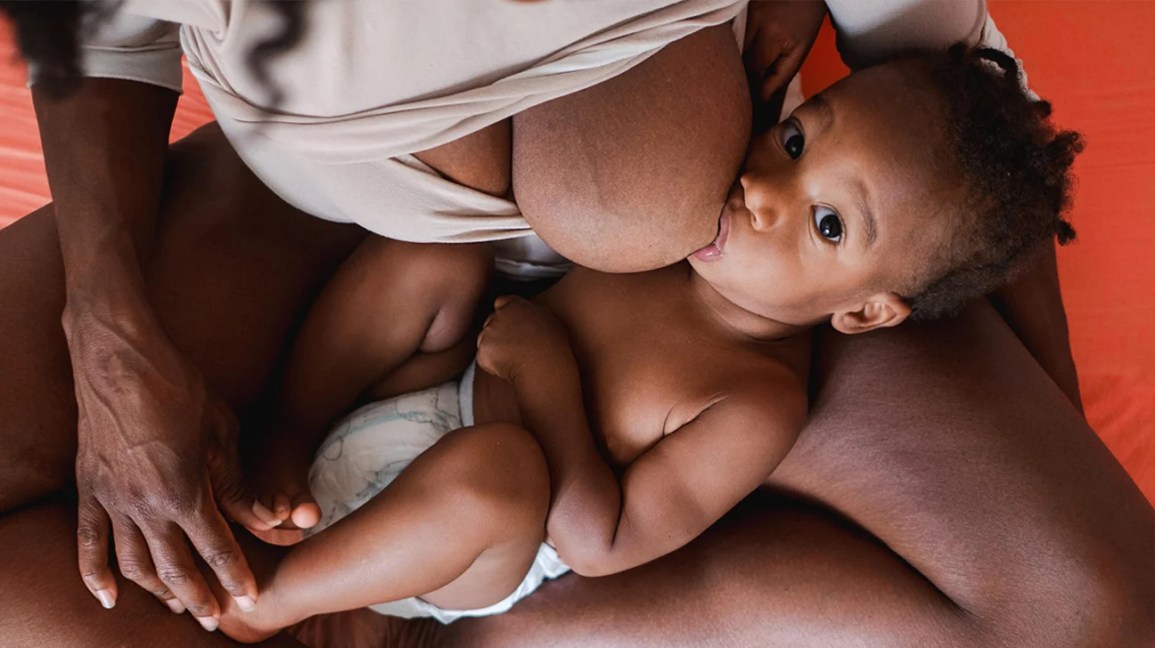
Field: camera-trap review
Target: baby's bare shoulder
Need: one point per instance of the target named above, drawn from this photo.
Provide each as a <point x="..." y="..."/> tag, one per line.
<point x="744" y="392"/>
<point x="768" y="392"/>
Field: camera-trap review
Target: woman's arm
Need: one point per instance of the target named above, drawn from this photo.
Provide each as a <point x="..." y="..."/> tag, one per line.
<point x="1032" y="306"/>
<point x="599" y="522"/>
<point x="148" y="423"/>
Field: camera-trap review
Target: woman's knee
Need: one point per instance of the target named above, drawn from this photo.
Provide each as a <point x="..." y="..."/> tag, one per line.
<point x="955" y="430"/>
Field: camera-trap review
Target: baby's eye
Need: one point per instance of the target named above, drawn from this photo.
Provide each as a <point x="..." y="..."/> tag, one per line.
<point x="828" y="223"/>
<point x="793" y="140"/>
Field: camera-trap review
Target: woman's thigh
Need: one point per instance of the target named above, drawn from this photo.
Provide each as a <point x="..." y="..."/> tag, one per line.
<point x="952" y="446"/>
<point x="45" y="603"/>
<point x="231" y="271"/>
<point x="992" y="514"/>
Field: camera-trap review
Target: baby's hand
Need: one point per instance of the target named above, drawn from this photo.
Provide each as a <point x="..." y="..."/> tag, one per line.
<point x="521" y="334"/>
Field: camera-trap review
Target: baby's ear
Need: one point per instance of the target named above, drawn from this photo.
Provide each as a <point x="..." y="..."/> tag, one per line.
<point x="878" y="311"/>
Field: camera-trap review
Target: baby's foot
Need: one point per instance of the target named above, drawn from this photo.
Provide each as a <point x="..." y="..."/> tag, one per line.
<point x="253" y="626"/>
<point x="267" y="614"/>
<point x="281" y="483"/>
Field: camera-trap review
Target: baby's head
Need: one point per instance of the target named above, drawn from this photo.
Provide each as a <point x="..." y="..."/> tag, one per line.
<point x="906" y="189"/>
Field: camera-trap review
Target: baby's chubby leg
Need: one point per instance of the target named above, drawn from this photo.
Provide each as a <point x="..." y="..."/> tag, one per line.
<point x="460" y="527"/>
<point x="395" y="314"/>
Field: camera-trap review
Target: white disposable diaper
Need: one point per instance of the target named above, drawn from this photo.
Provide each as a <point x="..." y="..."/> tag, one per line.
<point x="368" y="449"/>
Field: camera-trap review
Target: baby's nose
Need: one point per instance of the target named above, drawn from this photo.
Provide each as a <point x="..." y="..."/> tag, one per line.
<point x="761" y="198"/>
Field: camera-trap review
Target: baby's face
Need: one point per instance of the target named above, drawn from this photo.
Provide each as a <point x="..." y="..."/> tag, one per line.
<point x="840" y="202"/>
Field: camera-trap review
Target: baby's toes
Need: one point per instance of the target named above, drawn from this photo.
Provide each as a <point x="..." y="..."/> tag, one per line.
<point x="282" y="504"/>
<point x="306" y="513"/>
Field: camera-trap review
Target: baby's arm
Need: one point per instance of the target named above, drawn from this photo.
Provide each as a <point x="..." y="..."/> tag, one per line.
<point x="389" y="301"/>
<point x="600" y="523"/>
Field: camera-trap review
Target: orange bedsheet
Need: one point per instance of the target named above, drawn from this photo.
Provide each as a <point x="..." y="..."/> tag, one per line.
<point x="1094" y="59"/>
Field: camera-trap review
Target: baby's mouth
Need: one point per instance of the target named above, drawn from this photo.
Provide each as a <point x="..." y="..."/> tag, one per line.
<point x="713" y="251"/>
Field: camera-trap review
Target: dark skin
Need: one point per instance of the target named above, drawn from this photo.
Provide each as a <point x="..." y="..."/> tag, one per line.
<point x="692" y="375"/>
<point x="106" y="233"/>
<point x="116" y="340"/>
<point x="237" y="354"/>
<point x="117" y="346"/>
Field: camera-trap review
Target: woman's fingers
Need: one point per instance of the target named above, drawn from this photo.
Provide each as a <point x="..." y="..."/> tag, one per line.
<point x="177" y="570"/>
<point x="213" y="540"/>
<point x="135" y="562"/>
<point x="230" y="489"/>
<point x="263" y="510"/>
<point x="778" y="75"/>
<point x="92" y="531"/>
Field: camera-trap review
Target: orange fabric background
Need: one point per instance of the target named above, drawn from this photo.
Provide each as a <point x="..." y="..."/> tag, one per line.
<point x="1094" y="59"/>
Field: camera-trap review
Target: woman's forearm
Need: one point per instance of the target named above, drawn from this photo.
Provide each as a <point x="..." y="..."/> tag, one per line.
<point x="152" y="435"/>
<point x="104" y="148"/>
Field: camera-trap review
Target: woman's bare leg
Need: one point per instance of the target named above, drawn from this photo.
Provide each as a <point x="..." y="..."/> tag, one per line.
<point x="230" y="273"/>
<point x="233" y="268"/>
<point x="460" y="527"/>
<point x="1003" y="519"/>
<point x="44" y="603"/>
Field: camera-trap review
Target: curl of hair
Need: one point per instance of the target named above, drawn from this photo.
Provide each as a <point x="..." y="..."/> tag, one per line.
<point x="47" y="34"/>
<point x="1015" y="166"/>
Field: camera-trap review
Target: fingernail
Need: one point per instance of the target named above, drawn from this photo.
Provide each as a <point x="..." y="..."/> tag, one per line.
<point x="266" y="516"/>
<point x="209" y="623"/>
<point x="175" y="605"/>
<point x="245" y="602"/>
<point x="106" y="598"/>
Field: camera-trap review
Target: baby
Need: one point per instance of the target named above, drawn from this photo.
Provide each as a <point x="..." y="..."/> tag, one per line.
<point x="616" y="417"/>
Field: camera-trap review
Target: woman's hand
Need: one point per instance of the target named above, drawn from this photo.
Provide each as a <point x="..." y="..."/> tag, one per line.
<point x="156" y="455"/>
<point x="779" y="35"/>
<point x="521" y="335"/>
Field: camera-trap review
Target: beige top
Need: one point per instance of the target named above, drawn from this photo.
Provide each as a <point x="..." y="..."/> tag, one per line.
<point x="372" y="81"/>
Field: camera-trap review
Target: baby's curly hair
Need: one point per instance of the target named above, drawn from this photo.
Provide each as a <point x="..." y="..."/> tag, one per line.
<point x="1015" y="167"/>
